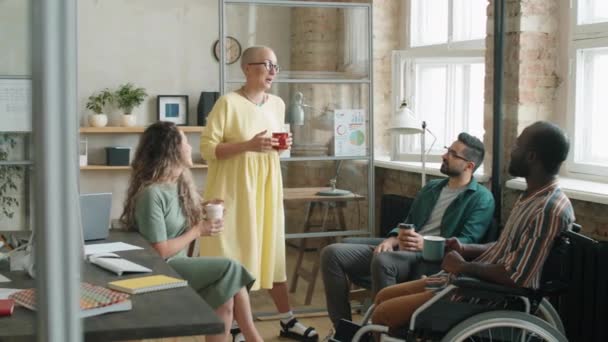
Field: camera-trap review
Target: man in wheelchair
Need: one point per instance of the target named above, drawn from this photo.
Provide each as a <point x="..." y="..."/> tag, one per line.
<point x="511" y="264"/>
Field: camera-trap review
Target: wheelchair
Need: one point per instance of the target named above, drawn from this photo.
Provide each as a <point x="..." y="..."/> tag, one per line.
<point x="523" y="314"/>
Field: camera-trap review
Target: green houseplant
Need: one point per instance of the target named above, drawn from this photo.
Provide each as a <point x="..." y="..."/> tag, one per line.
<point x="128" y="97"/>
<point x="96" y="103"/>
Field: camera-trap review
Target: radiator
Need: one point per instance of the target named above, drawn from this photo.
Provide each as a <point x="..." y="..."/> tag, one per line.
<point x="584" y="308"/>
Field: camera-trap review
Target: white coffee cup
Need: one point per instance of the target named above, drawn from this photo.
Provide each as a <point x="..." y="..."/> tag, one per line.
<point x="214" y="211"/>
<point x="432" y="249"/>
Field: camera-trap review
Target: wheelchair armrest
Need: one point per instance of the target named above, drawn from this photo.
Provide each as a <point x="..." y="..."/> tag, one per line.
<point x="553" y="288"/>
<point x="476" y="284"/>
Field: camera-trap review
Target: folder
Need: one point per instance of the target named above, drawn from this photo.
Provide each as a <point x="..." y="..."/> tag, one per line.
<point x="147" y="284"/>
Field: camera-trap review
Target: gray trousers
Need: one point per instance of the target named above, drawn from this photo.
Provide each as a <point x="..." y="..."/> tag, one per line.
<point x="354" y="260"/>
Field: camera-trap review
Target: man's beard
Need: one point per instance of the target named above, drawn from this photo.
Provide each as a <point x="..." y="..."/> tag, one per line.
<point x="446" y="170"/>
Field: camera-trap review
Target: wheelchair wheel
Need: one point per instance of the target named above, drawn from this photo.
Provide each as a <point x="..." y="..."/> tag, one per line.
<point x="503" y="326"/>
<point x="547" y="313"/>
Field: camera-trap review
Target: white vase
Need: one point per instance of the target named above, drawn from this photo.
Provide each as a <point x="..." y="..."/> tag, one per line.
<point x="98" y="120"/>
<point x="128" y="120"/>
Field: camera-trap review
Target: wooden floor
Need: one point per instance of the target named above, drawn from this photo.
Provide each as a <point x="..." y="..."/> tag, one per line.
<point x="264" y="310"/>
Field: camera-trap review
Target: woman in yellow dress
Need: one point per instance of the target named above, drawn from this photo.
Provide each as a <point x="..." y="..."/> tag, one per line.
<point x="245" y="171"/>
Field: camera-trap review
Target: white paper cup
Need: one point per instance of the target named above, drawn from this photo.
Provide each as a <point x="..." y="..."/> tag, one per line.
<point x="214" y="211"/>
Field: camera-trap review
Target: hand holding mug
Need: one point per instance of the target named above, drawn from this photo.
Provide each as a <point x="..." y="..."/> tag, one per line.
<point x="260" y="142"/>
<point x="281" y="140"/>
<point x="409" y="240"/>
<point x="452" y="244"/>
<point x="210" y="228"/>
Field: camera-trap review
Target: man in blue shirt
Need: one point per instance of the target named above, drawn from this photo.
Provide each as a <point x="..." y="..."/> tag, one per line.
<point x="454" y="207"/>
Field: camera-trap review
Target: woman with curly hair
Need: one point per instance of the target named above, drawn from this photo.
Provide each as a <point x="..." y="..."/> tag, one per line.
<point x="164" y="206"/>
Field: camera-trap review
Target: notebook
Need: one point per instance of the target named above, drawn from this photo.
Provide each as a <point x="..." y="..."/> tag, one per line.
<point x="114" y="263"/>
<point x="147" y="284"/>
<point x="94" y="300"/>
<point x="95" y="215"/>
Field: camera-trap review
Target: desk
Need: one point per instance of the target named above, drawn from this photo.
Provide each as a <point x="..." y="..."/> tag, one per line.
<point x="175" y="312"/>
<point x="328" y="204"/>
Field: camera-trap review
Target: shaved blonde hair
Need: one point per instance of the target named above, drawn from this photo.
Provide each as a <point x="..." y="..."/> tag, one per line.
<point x="250" y="54"/>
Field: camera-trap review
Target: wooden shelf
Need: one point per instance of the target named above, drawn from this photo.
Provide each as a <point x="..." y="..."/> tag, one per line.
<point x="118" y="168"/>
<point x="135" y="129"/>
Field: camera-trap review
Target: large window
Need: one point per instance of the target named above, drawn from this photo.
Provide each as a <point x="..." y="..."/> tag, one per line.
<point x="441" y="73"/>
<point x="589" y="55"/>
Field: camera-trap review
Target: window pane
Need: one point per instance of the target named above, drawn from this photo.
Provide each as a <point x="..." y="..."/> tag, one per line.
<point x="430" y="101"/>
<point x="429" y="20"/>
<point x="590" y="116"/>
<point x="449" y="97"/>
<point x="476" y="101"/>
<point x="469" y="19"/>
<point x="592" y="11"/>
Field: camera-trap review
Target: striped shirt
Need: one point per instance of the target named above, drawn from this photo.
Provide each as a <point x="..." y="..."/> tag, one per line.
<point x="528" y="235"/>
<point x="527" y="238"/>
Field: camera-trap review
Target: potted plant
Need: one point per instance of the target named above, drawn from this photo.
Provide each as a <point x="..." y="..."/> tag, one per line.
<point x="128" y="97"/>
<point x="10" y="178"/>
<point x="96" y="103"/>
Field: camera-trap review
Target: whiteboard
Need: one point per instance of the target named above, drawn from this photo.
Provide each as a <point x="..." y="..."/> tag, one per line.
<point x="15" y="105"/>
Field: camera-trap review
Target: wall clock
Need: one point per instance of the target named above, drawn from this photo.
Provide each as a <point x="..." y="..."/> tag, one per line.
<point x="233" y="50"/>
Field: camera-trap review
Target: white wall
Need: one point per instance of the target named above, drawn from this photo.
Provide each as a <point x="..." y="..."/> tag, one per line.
<point x="166" y="47"/>
<point x="14" y="37"/>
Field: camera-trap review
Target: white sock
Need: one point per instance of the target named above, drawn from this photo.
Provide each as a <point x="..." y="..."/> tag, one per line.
<point x="235" y="325"/>
<point x="298" y="328"/>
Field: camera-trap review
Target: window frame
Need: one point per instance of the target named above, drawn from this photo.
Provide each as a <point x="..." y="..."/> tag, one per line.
<point x="582" y="37"/>
<point x="403" y="86"/>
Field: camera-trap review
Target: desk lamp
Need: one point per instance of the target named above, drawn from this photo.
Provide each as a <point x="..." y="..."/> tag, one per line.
<point x="332" y="182"/>
<point x="405" y="122"/>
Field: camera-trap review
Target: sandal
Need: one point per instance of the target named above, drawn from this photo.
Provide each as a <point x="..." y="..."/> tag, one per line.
<point x="235" y="332"/>
<point x="307" y="337"/>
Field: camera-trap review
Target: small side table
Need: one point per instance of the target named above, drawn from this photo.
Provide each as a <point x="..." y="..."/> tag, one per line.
<point x="328" y="205"/>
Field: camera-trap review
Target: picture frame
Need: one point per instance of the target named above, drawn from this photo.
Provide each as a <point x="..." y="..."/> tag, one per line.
<point x="173" y="108"/>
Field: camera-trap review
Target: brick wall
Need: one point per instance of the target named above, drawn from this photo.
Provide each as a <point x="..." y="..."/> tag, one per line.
<point x="530" y="86"/>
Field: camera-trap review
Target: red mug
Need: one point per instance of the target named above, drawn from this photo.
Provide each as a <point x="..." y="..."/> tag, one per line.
<point x="282" y="138"/>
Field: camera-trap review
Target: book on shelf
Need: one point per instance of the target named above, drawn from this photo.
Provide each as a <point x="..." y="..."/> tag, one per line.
<point x="147" y="284"/>
<point x="94" y="300"/>
<point x="114" y="263"/>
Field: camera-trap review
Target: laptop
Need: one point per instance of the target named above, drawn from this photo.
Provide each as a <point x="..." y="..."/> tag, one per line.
<point x="95" y="215"/>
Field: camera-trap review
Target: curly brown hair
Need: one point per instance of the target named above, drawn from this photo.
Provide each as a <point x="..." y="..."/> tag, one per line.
<point x="157" y="157"/>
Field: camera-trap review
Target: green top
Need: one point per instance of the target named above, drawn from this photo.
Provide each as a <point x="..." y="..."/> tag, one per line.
<point x="159" y="215"/>
<point x="466" y="218"/>
<point x="160" y="218"/>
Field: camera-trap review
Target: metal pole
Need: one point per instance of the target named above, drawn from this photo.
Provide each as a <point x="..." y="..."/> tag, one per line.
<point x="497" y="122"/>
<point x="55" y="139"/>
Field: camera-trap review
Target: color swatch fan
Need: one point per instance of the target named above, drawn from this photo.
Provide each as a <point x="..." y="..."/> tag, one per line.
<point x="94" y="300"/>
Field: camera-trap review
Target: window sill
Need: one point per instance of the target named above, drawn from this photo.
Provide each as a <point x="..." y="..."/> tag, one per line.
<point x="416" y="167"/>
<point x="573" y="188"/>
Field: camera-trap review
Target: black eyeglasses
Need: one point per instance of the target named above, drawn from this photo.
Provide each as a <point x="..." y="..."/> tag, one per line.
<point x="268" y="65"/>
<point x="454" y="154"/>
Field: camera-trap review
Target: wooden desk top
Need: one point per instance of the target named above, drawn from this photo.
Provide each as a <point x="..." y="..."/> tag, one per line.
<point x="174" y="312"/>
<point x="310" y="194"/>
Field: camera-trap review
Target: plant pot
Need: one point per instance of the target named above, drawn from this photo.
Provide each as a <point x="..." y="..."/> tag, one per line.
<point x="128" y="120"/>
<point x="98" y="120"/>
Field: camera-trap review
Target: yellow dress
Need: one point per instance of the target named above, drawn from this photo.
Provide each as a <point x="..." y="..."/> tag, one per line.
<point x="251" y="185"/>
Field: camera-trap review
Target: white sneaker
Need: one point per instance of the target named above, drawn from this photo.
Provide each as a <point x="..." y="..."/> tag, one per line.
<point x="239" y="338"/>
